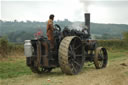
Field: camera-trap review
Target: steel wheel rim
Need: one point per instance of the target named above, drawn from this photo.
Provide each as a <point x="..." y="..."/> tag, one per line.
<point x="102" y="58"/>
<point x="75" y="55"/>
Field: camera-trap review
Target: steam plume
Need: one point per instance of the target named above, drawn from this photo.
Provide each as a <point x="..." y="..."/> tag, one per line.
<point x="86" y="4"/>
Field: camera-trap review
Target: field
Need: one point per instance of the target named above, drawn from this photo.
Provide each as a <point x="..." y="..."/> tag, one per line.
<point x="13" y="71"/>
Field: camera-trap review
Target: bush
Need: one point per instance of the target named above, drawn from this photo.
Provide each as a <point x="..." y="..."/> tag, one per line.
<point x="15" y="49"/>
<point x="114" y="44"/>
<point x="3" y="47"/>
<point x="125" y="36"/>
<point x="8" y="49"/>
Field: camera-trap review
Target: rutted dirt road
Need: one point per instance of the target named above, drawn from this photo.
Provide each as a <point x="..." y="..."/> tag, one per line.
<point x="116" y="73"/>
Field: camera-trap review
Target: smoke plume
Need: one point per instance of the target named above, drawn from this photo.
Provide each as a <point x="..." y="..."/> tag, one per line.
<point x="86" y="4"/>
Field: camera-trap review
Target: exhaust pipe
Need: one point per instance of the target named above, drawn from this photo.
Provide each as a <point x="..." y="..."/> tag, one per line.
<point x="87" y="21"/>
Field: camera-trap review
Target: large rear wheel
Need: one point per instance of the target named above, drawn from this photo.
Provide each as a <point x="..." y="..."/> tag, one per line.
<point x="71" y="57"/>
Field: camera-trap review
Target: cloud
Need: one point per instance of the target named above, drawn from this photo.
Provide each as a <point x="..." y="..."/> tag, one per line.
<point x="107" y="11"/>
<point x="40" y="10"/>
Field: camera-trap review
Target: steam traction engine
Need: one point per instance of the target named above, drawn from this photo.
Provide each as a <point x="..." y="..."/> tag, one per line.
<point x="71" y="49"/>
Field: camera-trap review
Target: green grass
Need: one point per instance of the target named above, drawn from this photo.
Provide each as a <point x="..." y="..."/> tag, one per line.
<point x="126" y="73"/>
<point x="46" y="83"/>
<point x="13" y="69"/>
<point x="117" y="54"/>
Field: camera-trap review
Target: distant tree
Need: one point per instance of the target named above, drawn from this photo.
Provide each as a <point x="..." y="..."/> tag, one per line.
<point x="15" y="21"/>
<point x="125" y="36"/>
<point x="105" y="36"/>
<point x="18" y="31"/>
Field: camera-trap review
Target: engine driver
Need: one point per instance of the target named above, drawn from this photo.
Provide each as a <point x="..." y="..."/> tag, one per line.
<point x="50" y="29"/>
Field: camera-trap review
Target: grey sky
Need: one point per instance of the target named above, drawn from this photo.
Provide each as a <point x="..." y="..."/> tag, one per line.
<point x="102" y="11"/>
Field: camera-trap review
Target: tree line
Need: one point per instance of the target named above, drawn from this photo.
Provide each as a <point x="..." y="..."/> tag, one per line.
<point x="18" y="31"/>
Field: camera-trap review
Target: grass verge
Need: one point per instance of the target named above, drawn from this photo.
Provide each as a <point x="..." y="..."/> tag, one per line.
<point x="9" y="69"/>
<point x="117" y="54"/>
<point x="15" y="67"/>
<point x="126" y="73"/>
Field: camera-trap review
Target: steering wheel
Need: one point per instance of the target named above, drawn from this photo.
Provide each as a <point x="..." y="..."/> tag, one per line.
<point x="57" y="27"/>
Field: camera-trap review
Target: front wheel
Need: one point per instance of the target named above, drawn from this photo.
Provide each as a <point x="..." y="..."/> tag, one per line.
<point x="100" y="58"/>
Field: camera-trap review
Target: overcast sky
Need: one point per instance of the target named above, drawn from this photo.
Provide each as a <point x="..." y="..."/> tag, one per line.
<point x="102" y="11"/>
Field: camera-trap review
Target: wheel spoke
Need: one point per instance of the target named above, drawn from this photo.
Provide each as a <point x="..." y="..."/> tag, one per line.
<point x="74" y="43"/>
<point x="77" y="47"/>
<point x="70" y="52"/>
<point x="71" y="49"/>
<point x="101" y="53"/>
<point x="100" y="63"/>
<point x="101" y="58"/>
<point x="78" y="55"/>
<point x="70" y="60"/>
<point x="77" y="63"/>
<point x="74" y="69"/>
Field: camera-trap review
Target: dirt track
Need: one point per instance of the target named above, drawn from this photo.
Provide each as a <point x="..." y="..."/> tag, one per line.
<point x="116" y="73"/>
